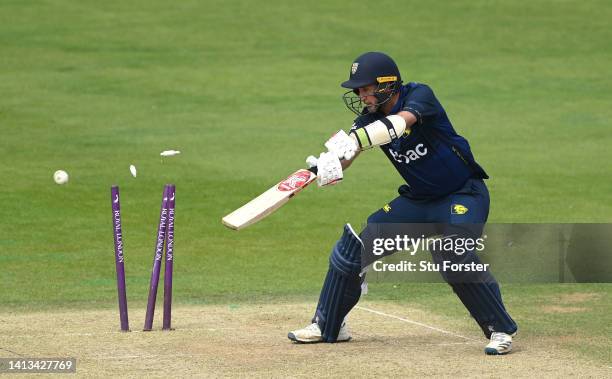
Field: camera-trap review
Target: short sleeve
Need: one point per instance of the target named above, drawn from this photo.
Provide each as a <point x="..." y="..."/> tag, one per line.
<point x="421" y="102"/>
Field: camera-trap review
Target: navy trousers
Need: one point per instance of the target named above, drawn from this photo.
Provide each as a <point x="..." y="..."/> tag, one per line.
<point x="479" y="292"/>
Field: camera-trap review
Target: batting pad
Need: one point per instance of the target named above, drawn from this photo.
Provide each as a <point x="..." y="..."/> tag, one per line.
<point x="342" y="287"/>
<point x="483" y="301"/>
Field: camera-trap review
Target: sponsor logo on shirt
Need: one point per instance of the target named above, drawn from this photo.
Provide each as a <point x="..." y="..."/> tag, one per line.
<point x="410" y="155"/>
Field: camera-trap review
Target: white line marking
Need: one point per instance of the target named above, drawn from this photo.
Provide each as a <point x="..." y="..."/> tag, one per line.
<point x="415" y="323"/>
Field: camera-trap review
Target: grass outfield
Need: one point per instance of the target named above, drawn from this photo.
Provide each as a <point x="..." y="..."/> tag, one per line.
<point x="246" y="92"/>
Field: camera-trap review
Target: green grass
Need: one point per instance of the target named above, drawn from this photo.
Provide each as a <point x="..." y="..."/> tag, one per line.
<point x="246" y="91"/>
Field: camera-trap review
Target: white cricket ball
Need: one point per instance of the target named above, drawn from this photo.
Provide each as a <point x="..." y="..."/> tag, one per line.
<point x="60" y="177"/>
<point x="133" y="170"/>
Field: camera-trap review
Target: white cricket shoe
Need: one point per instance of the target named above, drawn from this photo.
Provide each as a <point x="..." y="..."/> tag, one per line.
<point x="501" y="343"/>
<point x="312" y="334"/>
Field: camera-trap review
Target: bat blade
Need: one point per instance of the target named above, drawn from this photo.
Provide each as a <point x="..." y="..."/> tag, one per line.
<point x="269" y="201"/>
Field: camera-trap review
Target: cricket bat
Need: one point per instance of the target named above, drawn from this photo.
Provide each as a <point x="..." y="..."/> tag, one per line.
<point x="375" y="134"/>
<point x="269" y="201"/>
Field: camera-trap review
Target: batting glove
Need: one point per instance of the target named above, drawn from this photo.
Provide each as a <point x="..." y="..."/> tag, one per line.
<point x="344" y="146"/>
<point x="329" y="168"/>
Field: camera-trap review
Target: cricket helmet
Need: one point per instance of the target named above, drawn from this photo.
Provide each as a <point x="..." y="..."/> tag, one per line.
<point x="371" y="68"/>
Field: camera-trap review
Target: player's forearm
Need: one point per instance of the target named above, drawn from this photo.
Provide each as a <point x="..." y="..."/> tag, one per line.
<point x="383" y="131"/>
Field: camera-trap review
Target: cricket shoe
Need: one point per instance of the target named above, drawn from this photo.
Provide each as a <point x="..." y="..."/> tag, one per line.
<point x="501" y="343"/>
<point x="312" y="334"/>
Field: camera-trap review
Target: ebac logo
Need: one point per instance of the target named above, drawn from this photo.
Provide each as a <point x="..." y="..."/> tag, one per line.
<point x="410" y="155"/>
<point x="295" y="181"/>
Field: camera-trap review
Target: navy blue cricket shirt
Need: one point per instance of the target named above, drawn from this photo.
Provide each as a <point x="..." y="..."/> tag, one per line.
<point x="433" y="159"/>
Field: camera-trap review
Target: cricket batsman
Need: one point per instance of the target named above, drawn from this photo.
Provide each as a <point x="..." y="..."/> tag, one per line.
<point x="443" y="185"/>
